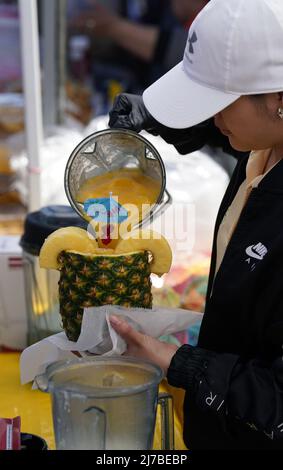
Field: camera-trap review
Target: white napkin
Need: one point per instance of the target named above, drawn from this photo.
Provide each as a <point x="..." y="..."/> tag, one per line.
<point x="98" y="337"/>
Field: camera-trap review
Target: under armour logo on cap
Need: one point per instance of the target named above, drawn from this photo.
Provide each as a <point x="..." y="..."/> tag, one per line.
<point x="192" y="40"/>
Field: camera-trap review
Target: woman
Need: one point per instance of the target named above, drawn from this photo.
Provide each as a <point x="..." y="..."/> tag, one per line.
<point x="232" y="71"/>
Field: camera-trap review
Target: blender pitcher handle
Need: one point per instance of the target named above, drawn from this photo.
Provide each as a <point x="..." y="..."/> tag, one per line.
<point x="94" y="421"/>
<point x="167" y="421"/>
<point x="166" y="201"/>
<point x="42" y="382"/>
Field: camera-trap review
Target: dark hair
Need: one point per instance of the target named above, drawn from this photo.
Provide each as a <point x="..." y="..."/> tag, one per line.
<point x="258" y="95"/>
<point x="261" y="95"/>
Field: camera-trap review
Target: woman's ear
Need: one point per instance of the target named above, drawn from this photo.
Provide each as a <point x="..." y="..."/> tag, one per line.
<point x="274" y="102"/>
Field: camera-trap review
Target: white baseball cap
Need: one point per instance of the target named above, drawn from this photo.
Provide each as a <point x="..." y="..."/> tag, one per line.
<point x="234" y="48"/>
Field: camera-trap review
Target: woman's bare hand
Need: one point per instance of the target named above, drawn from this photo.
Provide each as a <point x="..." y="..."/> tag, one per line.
<point x="143" y="346"/>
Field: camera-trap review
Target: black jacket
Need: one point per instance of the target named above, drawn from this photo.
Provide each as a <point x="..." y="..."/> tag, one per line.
<point x="234" y="377"/>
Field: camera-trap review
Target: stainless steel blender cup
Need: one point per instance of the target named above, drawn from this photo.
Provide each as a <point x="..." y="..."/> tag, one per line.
<point x="114" y="149"/>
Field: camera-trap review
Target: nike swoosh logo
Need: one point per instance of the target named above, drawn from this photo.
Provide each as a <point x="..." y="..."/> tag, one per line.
<point x="253" y="254"/>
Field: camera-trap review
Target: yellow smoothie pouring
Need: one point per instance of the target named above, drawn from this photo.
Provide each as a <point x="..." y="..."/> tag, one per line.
<point x="122" y="166"/>
<point x="128" y="185"/>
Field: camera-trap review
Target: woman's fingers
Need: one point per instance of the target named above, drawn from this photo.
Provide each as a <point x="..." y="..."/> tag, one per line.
<point x="143" y="346"/>
<point x="124" y="330"/>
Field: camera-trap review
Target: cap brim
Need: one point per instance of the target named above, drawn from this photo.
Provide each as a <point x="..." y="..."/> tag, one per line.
<point x="176" y="101"/>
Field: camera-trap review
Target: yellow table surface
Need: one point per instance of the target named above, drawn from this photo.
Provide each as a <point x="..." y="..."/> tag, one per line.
<point x="34" y="407"/>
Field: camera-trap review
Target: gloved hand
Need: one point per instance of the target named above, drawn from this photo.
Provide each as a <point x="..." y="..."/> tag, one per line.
<point x="129" y="112"/>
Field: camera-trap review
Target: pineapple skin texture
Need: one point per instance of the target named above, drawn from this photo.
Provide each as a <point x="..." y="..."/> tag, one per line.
<point x="150" y="241"/>
<point x="93" y="281"/>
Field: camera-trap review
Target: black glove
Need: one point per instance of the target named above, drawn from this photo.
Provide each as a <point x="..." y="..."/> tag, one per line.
<point x="129" y="112"/>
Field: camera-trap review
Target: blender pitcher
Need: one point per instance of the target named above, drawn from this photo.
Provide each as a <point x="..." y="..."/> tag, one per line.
<point x="111" y="150"/>
<point x="103" y="403"/>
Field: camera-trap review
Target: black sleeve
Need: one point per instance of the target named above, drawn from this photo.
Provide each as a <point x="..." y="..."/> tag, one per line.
<point x="249" y="391"/>
<point x="163" y="40"/>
